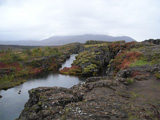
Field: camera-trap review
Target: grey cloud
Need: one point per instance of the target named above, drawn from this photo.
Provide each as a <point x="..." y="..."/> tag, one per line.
<point x="39" y="19"/>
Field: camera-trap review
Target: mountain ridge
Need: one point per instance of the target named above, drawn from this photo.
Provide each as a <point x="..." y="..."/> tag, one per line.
<point x="61" y="40"/>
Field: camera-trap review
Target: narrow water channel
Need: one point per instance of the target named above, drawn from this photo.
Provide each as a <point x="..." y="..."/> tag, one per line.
<point x="12" y="103"/>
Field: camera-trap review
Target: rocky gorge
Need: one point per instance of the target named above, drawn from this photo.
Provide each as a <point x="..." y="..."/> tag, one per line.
<point x="129" y="91"/>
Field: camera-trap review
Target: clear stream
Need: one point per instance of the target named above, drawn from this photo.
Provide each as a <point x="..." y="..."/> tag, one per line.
<point x="12" y="103"/>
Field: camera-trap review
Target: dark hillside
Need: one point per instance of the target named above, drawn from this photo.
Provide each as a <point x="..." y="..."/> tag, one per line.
<point x="61" y="40"/>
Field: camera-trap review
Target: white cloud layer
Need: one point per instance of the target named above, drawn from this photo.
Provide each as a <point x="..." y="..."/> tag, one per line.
<point x="39" y="19"/>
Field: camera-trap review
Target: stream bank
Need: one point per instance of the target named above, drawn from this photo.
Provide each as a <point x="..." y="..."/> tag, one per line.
<point x="12" y="103"/>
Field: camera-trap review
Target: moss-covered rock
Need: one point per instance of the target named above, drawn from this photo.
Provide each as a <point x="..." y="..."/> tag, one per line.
<point x="93" y="59"/>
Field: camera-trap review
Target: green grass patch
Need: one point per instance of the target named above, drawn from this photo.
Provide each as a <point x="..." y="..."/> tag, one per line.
<point x="129" y="81"/>
<point x="96" y="45"/>
<point x="139" y="63"/>
<point x="134" y="95"/>
<point x="157" y="75"/>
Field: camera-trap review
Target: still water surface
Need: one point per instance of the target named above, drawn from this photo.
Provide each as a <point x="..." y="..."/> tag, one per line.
<point x="12" y="103"/>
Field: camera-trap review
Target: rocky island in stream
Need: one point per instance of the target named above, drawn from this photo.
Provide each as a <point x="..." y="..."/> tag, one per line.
<point x="129" y="91"/>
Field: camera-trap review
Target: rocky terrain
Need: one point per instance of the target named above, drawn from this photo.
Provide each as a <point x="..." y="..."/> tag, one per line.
<point x="99" y="98"/>
<point x="130" y="91"/>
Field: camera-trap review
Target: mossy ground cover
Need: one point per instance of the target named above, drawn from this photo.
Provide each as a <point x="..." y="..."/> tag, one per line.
<point x="14" y="64"/>
<point x="5" y="84"/>
<point x="147" y="59"/>
<point x="120" y="45"/>
<point x="74" y="70"/>
<point x="84" y="57"/>
<point x="133" y="54"/>
<point x="140" y="62"/>
<point x="96" y="45"/>
<point x="124" y="60"/>
<point x="157" y="75"/>
<point x="15" y="73"/>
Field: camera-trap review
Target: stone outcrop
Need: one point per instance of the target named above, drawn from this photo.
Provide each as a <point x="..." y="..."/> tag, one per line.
<point x="77" y="49"/>
<point x="99" y="98"/>
<point x="92" y="60"/>
<point x="152" y="41"/>
<point x="48" y="62"/>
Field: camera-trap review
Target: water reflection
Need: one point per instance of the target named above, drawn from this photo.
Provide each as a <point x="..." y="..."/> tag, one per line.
<point x="69" y="62"/>
<point x="11" y="104"/>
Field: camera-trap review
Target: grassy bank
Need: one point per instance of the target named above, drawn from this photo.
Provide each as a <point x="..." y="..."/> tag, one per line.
<point x="15" y="64"/>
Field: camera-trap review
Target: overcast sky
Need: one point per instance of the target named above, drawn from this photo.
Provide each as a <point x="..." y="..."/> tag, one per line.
<point x="39" y="19"/>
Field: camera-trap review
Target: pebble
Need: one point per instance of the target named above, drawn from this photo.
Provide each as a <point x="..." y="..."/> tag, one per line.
<point x="0" y="96"/>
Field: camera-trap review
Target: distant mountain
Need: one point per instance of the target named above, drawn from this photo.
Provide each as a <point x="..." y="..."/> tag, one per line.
<point x="61" y="40"/>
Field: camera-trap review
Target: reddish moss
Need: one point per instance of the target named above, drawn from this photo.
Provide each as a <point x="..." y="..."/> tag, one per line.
<point x="135" y="73"/>
<point x="54" y="65"/>
<point x="3" y="65"/>
<point x="16" y="66"/>
<point x="35" y="70"/>
<point x="118" y="46"/>
<point x="2" y="54"/>
<point x="115" y="46"/>
<point x="123" y="60"/>
<point x="74" y="70"/>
